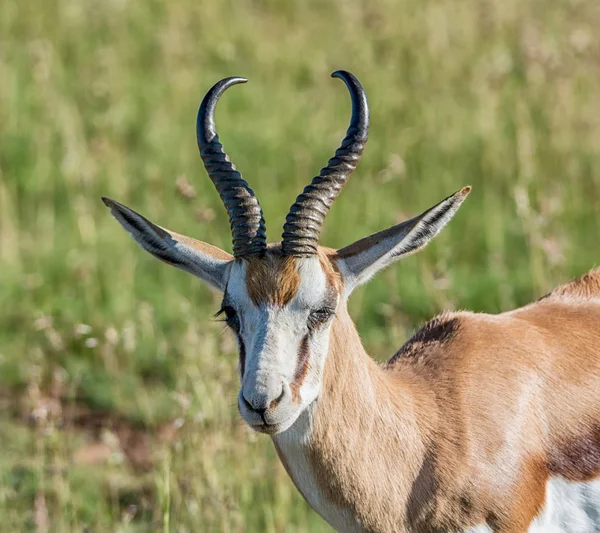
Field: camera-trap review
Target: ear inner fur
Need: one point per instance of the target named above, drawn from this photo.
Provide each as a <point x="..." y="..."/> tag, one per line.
<point x="200" y="259"/>
<point x="363" y="259"/>
<point x="200" y="246"/>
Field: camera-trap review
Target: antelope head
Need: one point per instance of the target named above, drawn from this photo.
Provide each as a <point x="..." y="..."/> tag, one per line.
<point x="280" y="300"/>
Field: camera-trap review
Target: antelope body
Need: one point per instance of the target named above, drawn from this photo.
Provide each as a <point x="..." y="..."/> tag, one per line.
<point x="479" y="423"/>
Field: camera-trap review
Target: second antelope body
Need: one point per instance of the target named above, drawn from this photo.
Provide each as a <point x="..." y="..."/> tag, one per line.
<point x="479" y="423"/>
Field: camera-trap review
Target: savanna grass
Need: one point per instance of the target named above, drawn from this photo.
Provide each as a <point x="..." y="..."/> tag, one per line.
<point x="117" y="392"/>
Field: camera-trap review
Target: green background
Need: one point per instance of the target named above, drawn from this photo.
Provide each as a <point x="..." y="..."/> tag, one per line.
<point x="117" y="389"/>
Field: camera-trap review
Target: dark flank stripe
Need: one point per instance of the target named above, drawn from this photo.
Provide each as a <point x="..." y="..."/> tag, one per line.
<point x="301" y="369"/>
<point x="578" y="459"/>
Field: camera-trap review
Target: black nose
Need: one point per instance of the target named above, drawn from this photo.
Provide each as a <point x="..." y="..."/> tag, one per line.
<point x="259" y="408"/>
<point x="258" y="405"/>
<point x="261" y="403"/>
<point x="260" y="411"/>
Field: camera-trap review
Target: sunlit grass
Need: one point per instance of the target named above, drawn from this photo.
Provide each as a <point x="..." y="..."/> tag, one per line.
<point x="117" y="390"/>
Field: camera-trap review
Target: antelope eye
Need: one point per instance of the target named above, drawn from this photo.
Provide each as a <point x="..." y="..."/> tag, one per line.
<point x="231" y="316"/>
<point x="319" y="316"/>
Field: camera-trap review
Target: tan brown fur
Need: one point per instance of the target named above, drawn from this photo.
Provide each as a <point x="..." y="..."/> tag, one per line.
<point x="586" y="286"/>
<point x="273" y="278"/>
<point x="468" y="421"/>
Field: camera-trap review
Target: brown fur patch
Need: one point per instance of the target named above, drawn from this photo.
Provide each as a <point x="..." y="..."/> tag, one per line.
<point x="440" y="330"/>
<point x="577" y="459"/>
<point x="272" y="278"/>
<point x="527" y="499"/>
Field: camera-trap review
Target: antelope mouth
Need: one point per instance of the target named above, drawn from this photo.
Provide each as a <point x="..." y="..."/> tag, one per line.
<point x="272" y="421"/>
<point x="268" y="429"/>
<point x="260" y="426"/>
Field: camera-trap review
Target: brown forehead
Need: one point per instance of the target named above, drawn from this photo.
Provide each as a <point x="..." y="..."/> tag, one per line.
<point x="274" y="278"/>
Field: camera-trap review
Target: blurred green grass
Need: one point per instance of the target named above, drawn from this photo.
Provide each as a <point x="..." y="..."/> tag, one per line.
<point x="117" y="391"/>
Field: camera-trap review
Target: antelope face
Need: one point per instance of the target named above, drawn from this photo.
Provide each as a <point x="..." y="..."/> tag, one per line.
<point x="281" y="309"/>
<point x="280" y="300"/>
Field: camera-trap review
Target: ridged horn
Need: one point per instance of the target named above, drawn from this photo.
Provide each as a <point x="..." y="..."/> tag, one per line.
<point x="245" y="215"/>
<point x="305" y="218"/>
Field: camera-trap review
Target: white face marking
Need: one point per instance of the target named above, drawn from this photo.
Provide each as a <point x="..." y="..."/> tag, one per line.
<point x="274" y="338"/>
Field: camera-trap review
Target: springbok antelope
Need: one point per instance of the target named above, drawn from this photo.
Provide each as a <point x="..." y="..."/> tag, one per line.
<point x="479" y="423"/>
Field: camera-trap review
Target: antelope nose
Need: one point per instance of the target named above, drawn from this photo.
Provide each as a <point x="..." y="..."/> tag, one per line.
<point x="262" y="401"/>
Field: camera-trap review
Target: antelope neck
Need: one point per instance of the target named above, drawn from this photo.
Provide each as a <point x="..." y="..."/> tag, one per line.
<point x="360" y="438"/>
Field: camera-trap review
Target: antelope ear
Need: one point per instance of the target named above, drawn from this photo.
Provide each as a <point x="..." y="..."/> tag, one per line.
<point x="364" y="258"/>
<point x="203" y="260"/>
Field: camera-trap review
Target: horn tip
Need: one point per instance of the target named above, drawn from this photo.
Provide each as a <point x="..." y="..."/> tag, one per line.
<point x="339" y="74"/>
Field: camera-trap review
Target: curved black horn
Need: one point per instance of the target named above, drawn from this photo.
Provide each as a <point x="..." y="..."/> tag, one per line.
<point x="245" y="215"/>
<point x="303" y="222"/>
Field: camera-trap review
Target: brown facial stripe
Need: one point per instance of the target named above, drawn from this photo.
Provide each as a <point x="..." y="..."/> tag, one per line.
<point x="301" y="368"/>
<point x="272" y="278"/>
<point x="578" y="459"/>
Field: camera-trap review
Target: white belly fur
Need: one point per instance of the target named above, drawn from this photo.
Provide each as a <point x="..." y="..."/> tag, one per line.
<point x="570" y="508"/>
